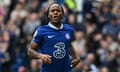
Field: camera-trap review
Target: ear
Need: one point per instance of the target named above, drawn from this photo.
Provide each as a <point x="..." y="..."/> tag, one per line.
<point x="48" y="16"/>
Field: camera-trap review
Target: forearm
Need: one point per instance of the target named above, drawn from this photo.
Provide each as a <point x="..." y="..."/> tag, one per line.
<point x="72" y="52"/>
<point x="33" y="53"/>
<point x="75" y="59"/>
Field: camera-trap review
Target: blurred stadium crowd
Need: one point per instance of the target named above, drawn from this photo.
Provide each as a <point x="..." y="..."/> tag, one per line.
<point x="97" y="33"/>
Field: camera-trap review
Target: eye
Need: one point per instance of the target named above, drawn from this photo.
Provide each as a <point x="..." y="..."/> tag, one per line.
<point x="58" y="10"/>
<point x="52" y="10"/>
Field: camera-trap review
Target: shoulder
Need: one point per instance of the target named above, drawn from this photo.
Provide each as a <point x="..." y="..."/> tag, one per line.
<point x="42" y="28"/>
<point x="68" y="26"/>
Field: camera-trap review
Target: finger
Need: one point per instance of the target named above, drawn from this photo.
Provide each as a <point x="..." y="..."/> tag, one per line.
<point x="73" y="65"/>
<point x="73" y="61"/>
<point x="76" y="60"/>
<point x="49" y="56"/>
<point x="47" y="60"/>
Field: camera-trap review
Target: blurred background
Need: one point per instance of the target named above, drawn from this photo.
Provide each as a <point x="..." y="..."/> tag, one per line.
<point x="97" y="33"/>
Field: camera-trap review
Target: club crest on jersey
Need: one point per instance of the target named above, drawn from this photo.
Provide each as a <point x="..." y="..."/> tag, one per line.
<point x="67" y="35"/>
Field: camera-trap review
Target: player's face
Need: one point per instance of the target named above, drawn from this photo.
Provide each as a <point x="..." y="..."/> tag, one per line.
<point x="55" y="13"/>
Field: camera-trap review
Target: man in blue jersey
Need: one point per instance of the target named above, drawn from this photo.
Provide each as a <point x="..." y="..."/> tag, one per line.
<point x="53" y="42"/>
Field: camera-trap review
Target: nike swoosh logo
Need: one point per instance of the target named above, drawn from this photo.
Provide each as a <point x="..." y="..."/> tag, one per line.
<point x="51" y="36"/>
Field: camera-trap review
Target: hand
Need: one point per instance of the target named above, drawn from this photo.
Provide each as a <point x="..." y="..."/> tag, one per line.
<point x="75" y="62"/>
<point x="45" y="58"/>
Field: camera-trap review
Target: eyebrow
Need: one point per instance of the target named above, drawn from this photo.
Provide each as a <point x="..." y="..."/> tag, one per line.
<point x="54" y="9"/>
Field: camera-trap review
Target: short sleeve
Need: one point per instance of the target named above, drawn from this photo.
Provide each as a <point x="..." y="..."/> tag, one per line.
<point x="37" y="37"/>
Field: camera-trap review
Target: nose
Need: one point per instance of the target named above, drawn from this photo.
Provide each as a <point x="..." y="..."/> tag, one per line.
<point x="55" y="12"/>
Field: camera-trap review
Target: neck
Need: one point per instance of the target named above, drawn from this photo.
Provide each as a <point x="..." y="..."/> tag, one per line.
<point x="58" y="25"/>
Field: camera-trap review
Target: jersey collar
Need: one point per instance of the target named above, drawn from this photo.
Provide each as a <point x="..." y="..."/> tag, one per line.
<point x="52" y="26"/>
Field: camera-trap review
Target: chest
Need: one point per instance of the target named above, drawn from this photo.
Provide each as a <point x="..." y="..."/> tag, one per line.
<point x="57" y="36"/>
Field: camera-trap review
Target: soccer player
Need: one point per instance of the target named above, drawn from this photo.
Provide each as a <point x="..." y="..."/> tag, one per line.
<point x="53" y="42"/>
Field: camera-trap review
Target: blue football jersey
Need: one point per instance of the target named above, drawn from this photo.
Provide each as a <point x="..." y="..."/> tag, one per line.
<point x="56" y="43"/>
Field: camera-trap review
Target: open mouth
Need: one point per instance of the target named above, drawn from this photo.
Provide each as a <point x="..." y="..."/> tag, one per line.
<point x="55" y="17"/>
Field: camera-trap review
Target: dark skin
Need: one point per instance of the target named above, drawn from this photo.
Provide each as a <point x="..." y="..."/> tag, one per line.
<point x="55" y="16"/>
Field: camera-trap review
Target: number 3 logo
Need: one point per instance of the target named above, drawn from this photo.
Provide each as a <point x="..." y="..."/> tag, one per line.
<point x="60" y="52"/>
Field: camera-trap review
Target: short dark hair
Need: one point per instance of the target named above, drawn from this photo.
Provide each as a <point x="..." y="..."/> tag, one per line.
<point x="51" y="5"/>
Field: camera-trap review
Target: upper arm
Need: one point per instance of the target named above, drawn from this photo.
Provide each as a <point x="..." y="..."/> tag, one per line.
<point x="34" y="46"/>
<point x="72" y="52"/>
<point x="37" y="39"/>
